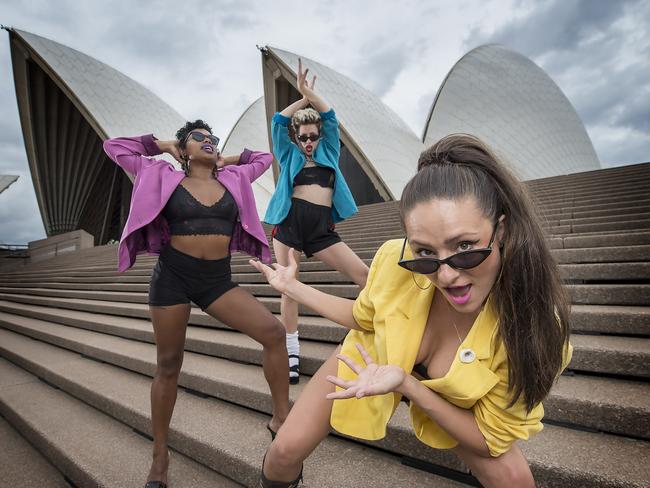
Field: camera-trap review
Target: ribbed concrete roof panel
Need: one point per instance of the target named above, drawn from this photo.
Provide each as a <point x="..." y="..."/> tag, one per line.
<point x="511" y="104"/>
<point x="120" y="105"/>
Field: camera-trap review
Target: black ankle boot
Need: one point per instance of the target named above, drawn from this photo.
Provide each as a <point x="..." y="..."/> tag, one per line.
<point x="267" y="483"/>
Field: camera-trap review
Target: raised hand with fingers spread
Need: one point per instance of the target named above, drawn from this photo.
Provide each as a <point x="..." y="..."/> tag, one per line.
<point x="371" y="379"/>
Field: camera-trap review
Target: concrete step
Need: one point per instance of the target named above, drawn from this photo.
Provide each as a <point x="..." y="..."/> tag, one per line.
<point x="108" y="267"/>
<point x="614" y="355"/>
<point x="620" y="320"/>
<point x="22" y="466"/>
<point x="94" y="450"/>
<point x="588" y="271"/>
<point x="609" y="294"/>
<point x="630" y="356"/>
<point x="224" y="437"/>
<point x="595" y="459"/>
<point x="607" y="248"/>
<point x="607" y="319"/>
<point x="614" y="254"/>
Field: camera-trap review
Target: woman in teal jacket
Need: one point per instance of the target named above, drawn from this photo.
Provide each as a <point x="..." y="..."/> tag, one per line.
<point x="311" y="196"/>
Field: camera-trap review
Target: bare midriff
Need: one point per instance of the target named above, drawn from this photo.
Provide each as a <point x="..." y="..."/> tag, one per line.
<point x="314" y="194"/>
<point x="203" y="246"/>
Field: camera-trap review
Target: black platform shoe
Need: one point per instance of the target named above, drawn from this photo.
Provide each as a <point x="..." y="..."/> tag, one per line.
<point x="294" y="371"/>
<point x="155" y="484"/>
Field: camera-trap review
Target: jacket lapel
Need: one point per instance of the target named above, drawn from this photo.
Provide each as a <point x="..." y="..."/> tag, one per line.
<point x="405" y="326"/>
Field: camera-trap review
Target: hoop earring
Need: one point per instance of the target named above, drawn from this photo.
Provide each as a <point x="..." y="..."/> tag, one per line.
<point x="416" y="283"/>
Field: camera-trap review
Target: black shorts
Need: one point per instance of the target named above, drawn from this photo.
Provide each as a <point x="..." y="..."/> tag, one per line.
<point x="308" y="227"/>
<point x="180" y="278"/>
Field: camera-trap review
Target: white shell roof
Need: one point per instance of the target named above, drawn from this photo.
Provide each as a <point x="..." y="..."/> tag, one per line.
<point x="250" y="132"/>
<point x="6" y="181"/>
<point x="120" y="105"/>
<point x="384" y="138"/>
<point x="511" y="104"/>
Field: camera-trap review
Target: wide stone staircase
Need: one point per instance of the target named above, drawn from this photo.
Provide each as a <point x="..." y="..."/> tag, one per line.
<point x="77" y="356"/>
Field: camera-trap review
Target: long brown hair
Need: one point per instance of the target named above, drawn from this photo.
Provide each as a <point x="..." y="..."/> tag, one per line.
<point x="528" y="296"/>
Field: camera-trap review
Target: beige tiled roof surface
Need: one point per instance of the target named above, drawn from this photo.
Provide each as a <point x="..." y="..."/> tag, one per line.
<point x="510" y="103"/>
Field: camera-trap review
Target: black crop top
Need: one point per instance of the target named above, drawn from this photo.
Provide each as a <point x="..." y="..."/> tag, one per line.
<point x="315" y="175"/>
<point x="187" y="216"/>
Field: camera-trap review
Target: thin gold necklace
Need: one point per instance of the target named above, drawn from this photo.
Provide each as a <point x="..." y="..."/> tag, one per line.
<point x="460" y="340"/>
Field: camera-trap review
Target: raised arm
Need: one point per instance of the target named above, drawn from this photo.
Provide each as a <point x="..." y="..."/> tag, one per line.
<point x="294" y="107"/>
<point x="251" y="163"/>
<point x="134" y="153"/>
<point x="334" y="308"/>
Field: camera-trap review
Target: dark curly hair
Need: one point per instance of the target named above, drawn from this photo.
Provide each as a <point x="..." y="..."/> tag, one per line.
<point x="183" y="132"/>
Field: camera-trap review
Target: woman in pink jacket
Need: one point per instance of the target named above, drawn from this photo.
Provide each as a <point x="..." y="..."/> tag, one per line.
<point x="193" y="219"/>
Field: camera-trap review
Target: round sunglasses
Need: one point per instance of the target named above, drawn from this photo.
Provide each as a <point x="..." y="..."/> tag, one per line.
<point x="308" y="137"/>
<point x="462" y="260"/>
<point x="200" y="137"/>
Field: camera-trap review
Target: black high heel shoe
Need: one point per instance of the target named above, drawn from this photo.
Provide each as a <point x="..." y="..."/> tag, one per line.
<point x="155" y="484"/>
<point x="273" y="433"/>
<point x="267" y="483"/>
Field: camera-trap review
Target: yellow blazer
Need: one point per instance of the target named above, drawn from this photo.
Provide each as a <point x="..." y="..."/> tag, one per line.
<point x="393" y="312"/>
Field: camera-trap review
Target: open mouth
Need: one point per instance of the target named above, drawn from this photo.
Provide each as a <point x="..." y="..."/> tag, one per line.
<point x="309" y="148"/>
<point x="459" y="294"/>
<point x="207" y="148"/>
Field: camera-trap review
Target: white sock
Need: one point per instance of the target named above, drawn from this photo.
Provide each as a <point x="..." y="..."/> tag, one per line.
<point x="293" y="349"/>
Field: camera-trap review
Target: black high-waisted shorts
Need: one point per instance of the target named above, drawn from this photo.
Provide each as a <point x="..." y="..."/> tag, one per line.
<point x="308" y="227"/>
<point x="180" y="278"/>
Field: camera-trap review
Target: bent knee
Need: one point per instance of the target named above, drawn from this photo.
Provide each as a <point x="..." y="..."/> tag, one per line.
<point x="274" y="335"/>
<point x="284" y="453"/>
<point x="169" y="366"/>
<point x="509" y="471"/>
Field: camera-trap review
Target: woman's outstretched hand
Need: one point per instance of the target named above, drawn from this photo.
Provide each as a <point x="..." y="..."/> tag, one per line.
<point x="304" y="87"/>
<point x="279" y="277"/>
<point x="371" y="379"/>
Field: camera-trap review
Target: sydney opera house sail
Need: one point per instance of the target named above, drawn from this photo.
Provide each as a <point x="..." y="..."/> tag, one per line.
<point x="509" y="102"/>
<point x="69" y="103"/>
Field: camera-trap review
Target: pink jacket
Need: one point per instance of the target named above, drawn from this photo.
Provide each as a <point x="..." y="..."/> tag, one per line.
<point x="155" y="180"/>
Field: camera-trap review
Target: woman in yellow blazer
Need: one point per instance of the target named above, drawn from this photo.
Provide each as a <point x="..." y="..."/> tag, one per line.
<point x="474" y="345"/>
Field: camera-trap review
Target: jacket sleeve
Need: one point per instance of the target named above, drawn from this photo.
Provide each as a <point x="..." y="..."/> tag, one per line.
<point x="330" y="134"/>
<point x="254" y="163"/>
<point x="500" y="425"/>
<point x="130" y="153"/>
<point x="282" y="145"/>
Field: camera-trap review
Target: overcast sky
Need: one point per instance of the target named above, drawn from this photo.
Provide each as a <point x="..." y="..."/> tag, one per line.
<point x="200" y="57"/>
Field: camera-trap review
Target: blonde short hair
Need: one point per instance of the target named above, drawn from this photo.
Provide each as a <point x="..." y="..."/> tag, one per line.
<point x="305" y="116"/>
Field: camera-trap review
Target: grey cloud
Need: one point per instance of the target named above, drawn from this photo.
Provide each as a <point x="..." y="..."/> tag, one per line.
<point x="556" y="25"/>
<point x="380" y="66"/>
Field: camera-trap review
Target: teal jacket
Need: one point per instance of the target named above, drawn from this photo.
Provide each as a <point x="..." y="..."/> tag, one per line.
<point x="292" y="159"/>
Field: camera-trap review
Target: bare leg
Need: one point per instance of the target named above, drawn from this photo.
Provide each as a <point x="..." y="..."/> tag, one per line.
<point x="509" y="469"/>
<point x="169" y="324"/>
<point x="288" y="307"/>
<point x="344" y="260"/>
<point x="240" y="310"/>
<point x="306" y="426"/>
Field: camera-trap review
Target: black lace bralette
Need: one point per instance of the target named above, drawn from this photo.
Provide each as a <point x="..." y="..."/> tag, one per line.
<point x="315" y="175"/>
<point x="187" y="216"/>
